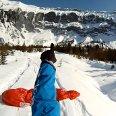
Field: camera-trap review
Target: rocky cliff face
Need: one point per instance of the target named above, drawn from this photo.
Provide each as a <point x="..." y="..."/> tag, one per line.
<point x="16" y="26"/>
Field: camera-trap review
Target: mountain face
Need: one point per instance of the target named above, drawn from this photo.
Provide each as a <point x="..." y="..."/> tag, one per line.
<point x="24" y="24"/>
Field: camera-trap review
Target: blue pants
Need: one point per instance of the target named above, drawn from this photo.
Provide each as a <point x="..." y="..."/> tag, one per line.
<point x="46" y="108"/>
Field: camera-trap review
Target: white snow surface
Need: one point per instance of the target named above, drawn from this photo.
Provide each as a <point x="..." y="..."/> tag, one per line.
<point x="87" y="40"/>
<point x="95" y="81"/>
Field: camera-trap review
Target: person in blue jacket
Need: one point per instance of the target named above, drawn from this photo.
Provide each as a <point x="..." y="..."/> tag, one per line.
<point x="44" y="94"/>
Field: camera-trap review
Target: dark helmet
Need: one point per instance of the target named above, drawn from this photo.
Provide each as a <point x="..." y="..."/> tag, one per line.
<point x="48" y="55"/>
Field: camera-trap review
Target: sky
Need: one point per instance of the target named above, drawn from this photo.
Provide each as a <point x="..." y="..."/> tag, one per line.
<point x="98" y="5"/>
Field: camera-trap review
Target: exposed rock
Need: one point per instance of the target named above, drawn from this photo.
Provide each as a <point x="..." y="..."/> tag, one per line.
<point x="39" y="17"/>
<point x="64" y="18"/>
<point x="30" y="16"/>
<point x="50" y="17"/>
<point x="72" y="17"/>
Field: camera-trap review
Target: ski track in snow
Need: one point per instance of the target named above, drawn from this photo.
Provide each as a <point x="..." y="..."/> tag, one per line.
<point x="22" y="80"/>
<point x="18" y="78"/>
<point x="66" y="71"/>
<point x="75" y="104"/>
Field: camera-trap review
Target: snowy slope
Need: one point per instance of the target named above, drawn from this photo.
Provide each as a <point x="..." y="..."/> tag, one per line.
<point x="72" y="73"/>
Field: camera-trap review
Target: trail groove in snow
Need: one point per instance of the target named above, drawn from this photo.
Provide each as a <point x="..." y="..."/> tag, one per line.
<point x="19" y="76"/>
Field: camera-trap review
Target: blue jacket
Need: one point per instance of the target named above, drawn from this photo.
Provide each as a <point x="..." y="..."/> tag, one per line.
<point x="44" y="88"/>
<point x="44" y="94"/>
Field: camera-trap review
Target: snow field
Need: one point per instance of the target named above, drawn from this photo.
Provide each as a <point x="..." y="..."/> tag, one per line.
<point x="72" y="73"/>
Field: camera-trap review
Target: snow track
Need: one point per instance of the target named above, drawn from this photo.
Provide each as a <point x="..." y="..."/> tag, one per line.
<point x="19" y="76"/>
<point x="74" y="107"/>
<point x="25" y="79"/>
<point x="11" y="74"/>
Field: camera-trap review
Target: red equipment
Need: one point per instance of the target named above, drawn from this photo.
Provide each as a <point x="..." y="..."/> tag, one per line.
<point x="19" y="96"/>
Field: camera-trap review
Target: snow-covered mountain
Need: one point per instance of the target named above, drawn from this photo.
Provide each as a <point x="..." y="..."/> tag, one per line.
<point x="21" y="23"/>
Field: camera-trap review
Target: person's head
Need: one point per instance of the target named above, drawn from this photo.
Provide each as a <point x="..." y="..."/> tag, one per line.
<point x="48" y="55"/>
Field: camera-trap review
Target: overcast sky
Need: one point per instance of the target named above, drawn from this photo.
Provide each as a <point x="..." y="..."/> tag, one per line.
<point x="108" y="5"/>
